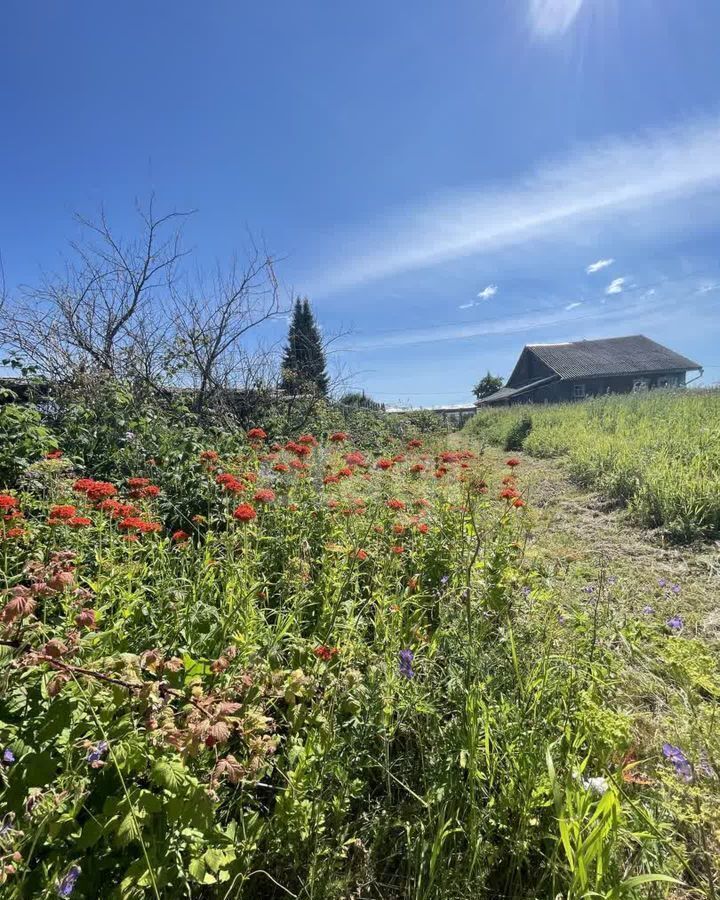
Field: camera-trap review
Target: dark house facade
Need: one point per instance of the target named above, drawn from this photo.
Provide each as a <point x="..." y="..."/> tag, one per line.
<point x="553" y="373"/>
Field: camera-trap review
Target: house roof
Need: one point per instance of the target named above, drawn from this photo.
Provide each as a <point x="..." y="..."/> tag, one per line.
<point x="610" y="356"/>
<point x="506" y="393"/>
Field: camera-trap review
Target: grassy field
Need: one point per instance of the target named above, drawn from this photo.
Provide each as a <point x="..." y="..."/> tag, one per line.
<point x="657" y="453"/>
<point x="298" y="670"/>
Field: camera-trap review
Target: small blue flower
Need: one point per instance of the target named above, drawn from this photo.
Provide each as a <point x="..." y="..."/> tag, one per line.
<point x="679" y="761"/>
<point x="406" y="659"/>
<point x="675" y="589"/>
<point x="675" y="623"/>
<point x="589" y="589"/>
<point x="8" y="757"/>
<point x="526" y="591"/>
<point x="6" y="824"/>
<point x="66" y="886"/>
<point x="96" y="753"/>
<point x="445" y="579"/>
<point x="648" y="610"/>
<point x="661" y="582"/>
<point x="561" y="619"/>
<point x="612" y="579"/>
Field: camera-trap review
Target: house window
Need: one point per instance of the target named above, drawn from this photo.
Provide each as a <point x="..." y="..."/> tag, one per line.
<point x="667" y="381"/>
<point x="640" y="384"/>
<point x="578" y="391"/>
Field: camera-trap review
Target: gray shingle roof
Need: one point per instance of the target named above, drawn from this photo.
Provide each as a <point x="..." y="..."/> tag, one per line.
<point x="610" y="356"/>
<point x="505" y="393"/>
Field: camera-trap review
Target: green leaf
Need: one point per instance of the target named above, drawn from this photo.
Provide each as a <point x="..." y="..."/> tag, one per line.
<point x="91" y="833"/>
<point x="127" y="831"/>
<point x="38" y="769"/>
<point x="169" y="773"/>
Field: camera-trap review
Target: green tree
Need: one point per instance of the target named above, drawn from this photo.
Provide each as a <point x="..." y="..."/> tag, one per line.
<point x="303" y="365"/>
<point x="487" y="385"/>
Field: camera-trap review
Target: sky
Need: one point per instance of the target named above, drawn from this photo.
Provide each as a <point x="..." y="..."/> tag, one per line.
<point x="445" y="182"/>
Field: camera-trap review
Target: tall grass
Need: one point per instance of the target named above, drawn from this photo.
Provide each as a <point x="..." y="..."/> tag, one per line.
<point x="658" y="453"/>
<point x="365" y="691"/>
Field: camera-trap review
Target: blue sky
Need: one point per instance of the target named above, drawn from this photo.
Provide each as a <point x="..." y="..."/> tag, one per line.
<point x="438" y="178"/>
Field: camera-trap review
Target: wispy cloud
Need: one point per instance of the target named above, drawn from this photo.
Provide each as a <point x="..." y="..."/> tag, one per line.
<point x="573" y="305"/>
<point x="487" y="292"/>
<point x="599" y="264"/>
<point x="615" y="286"/>
<point x="710" y="286"/>
<point x="551" y="18"/>
<point x="592" y="186"/>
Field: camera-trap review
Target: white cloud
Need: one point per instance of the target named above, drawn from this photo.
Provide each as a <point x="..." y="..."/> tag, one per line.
<point x="615" y="286"/>
<point x="573" y="305"/>
<point x="548" y="18"/>
<point x="599" y="264"/>
<point x="487" y="292"/>
<point x="710" y="286"/>
<point x="466" y="305"/>
<point x="600" y="185"/>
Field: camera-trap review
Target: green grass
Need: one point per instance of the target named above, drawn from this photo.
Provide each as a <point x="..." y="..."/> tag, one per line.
<point x="657" y="453"/>
<point x="229" y="715"/>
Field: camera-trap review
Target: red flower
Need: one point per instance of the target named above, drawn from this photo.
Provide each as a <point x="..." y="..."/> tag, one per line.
<point x="399" y="529"/>
<point x="345" y="472"/>
<point x="418" y="467"/>
<point x="54" y="454"/>
<point x="7" y="502"/>
<point x="331" y="479"/>
<point x="297" y="465"/>
<point x="398" y="549"/>
<point x="135" y="523"/>
<point x="508" y="493"/>
<point x="138" y="482"/>
<point x="512" y="462"/>
<point x="307" y="439"/>
<point x="395" y="504"/>
<point x="355" y="459"/>
<point x="146" y="490"/>
<point x="179" y="536"/>
<point x="231" y="484"/>
<point x="281" y="467"/>
<point x="339" y="437"/>
<point x="210" y="455"/>
<point x="256" y="434"/>
<point x="79" y="522"/>
<point x="325" y="653"/>
<point x="95" y="490"/>
<point x="14" y="532"/>
<point x="440" y="471"/>
<point x="264" y="495"/>
<point x="361" y="555"/>
<point x="245" y="513"/>
<point x="62" y="512"/>
<point x="414" y="443"/>
<point x="384" y="464"/>
<point x="518" y="501"/>
<point x="423" y="528"/>
<point x="398" y="458"/>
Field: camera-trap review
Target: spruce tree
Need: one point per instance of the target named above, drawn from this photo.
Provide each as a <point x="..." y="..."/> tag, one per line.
<point x="304" y="358"/>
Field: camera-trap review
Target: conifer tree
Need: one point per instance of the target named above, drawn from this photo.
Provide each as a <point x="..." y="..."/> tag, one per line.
<point x="303" y="365"/>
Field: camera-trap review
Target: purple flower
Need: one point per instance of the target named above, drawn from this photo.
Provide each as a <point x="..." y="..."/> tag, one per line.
<point x="661" y="582"/>
<point x="66" y="886"/>
<point x="675" y="623"/>
<point x="612" y="579"/>
<point x="648" y="610"/>
<point x="445" y="579"/>
<point x="679" y="761"/>
<point x="561" y="619"/>
<point x="406" y="659"/>
<point x="675" y="589"/>
<point x="8" y="757"/>
<point x="589" y="589"/>
<point x="526" y="591"/>
<point x="96" y="753"/>
<point x="6" y="824"/>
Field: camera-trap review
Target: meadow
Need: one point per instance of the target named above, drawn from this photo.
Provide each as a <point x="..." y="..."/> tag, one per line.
<point x="239" y="667"/>
<point x="657" y="453"/>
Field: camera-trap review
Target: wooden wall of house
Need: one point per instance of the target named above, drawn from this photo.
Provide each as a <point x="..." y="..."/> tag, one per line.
<point x="560" y="391"/>
<point x="528" y="368"/>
